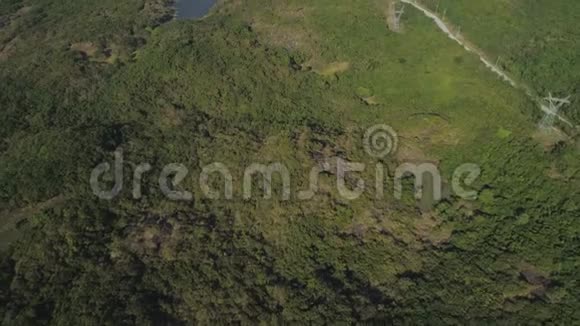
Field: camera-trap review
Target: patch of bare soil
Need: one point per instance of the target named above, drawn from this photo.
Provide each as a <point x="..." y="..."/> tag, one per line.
<point x="549" y="139"/>
<point x="430" y="229"/>
<point x="332" y="68"/>
<point x="409" y="152"/>
<point x="97" y="53"/>
<point x="88" y="49"/>
<point x="23" y="11"/>
<point x="172" y="116"/>
<point x="283" y="25"/>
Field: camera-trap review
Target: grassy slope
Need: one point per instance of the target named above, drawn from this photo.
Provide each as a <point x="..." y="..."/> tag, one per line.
<point x="223" y="89"/>
<point x="541" y="47"/>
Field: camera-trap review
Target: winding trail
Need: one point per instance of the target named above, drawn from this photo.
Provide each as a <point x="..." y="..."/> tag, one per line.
<point x="494" y="68"/>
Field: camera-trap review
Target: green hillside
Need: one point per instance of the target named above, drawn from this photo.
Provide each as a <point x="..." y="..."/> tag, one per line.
<point x="298" y="83"/>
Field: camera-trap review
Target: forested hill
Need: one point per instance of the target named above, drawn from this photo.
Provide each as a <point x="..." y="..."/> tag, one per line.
<point x="298" y="83"/>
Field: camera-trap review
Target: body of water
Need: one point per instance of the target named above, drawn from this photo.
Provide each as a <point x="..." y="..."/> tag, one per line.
<point x="193" y="9"/>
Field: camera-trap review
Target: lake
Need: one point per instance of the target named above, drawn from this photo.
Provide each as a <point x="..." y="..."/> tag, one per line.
<point x="193" y="9"/>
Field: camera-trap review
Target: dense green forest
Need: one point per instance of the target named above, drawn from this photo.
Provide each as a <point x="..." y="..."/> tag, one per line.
<point x="293" y="81"/>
